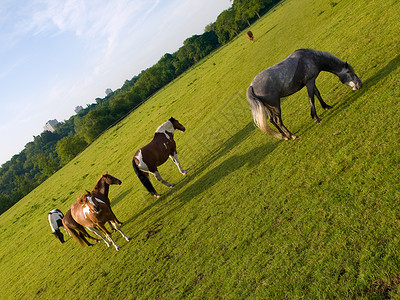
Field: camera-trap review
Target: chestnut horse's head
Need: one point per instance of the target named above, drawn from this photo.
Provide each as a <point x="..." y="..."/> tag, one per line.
<point x="176" y="124"/>
<point x="109" y="179"/>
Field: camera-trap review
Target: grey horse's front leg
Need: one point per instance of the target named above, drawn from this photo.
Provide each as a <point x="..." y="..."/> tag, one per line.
<point x="310" y="90"/>
<point x="322" y="102"/>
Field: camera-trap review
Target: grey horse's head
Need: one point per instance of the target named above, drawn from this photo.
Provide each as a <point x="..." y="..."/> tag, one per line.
<point x="348" y="77"/>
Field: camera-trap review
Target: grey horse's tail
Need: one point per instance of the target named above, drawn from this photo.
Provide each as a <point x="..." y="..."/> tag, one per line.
<point x="259" y="115"/>
<point x="144" y="179"/>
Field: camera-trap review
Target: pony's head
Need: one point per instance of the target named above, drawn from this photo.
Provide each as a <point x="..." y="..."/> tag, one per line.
<point x="88" y="204"/>
<point x="176" y="124"/>
<point x="109" y="179"/>
<point x="348" y="77"/>
<point x="58" y="235"/>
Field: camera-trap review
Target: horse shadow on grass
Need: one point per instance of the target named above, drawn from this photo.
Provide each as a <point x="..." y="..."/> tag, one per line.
<point x="163" y="208"/>
<point x="209" y="179"/>
<point x="233" y="141"/>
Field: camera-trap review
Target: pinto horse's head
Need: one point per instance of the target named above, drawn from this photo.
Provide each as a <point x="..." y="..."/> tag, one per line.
<point x="109" y="179"/>
<point x="348" y="77"/>
<point x="177" y="125"/>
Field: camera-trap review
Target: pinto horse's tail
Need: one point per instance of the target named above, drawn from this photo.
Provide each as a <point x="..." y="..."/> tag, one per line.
<point x="144" y="179"/>
<point x="75" y="235"/>
<point x="258" y="111"/>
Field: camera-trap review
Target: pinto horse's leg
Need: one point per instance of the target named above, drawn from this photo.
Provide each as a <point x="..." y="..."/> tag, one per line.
<point x="160" y="179"/>
<point x="177" y="163"/>
<point x="310" y="90"/>
<point x="115" y="224"/>
<point x="98" y="233"/>
<point x="322" y="102"/>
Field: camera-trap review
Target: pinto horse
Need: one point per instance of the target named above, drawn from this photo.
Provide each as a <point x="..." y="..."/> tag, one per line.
<point x="55" y="220"/>
<point x="93" y="213"/>
<point x="76" y="230"/>
<point x="300" y="69"/>
<point x="250" y="36"/>
<point x="102" y="187"/>
<point x="147" y="159"/>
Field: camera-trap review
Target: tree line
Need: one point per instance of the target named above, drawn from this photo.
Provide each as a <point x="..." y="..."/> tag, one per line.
<point x="49" y="151"/>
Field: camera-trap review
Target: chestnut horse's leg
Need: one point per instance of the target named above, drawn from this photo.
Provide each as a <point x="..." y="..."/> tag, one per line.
<point x="178" y="164"/>
<point x="98" y="233"/>
<point x="108" y="235"/>
<point x="115" y="224"/>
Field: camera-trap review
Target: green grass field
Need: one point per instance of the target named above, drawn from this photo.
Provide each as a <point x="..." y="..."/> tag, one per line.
<point x="256" y="217"/>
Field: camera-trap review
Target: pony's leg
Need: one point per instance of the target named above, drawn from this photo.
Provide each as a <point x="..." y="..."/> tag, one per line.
<point x="177" y="163"/>
<point x="321" y="101"/>
<point x="115" y="224"/>
<point x="160" y="179"/>
<point x="310" y="91"/>
<point x="98" y="233"/>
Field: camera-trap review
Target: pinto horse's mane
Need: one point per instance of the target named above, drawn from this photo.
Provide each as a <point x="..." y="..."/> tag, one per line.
<point x="166" y="126"/>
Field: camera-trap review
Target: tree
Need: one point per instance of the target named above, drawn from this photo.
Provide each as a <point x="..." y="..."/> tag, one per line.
<point x="69" y="147"/>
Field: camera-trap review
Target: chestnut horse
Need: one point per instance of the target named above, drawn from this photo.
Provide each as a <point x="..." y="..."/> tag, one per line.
<point x="93" y="213"/>
<point x="147" y="159"/>
<point x="250" y="36"/>
<point x="299" y="69"/>
<point x="76" y="230"/>
<point x="102" y="187"/>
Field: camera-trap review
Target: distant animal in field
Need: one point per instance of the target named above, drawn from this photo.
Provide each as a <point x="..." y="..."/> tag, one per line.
<point x="55" y="220"/>
<point x="250" y="36"/>
<point x="102" y="187"/>
<point x="76" y="230"/>
<point x="147" y="159"/>
<point x="93" y="213"/>
<point x="300" y="69"/>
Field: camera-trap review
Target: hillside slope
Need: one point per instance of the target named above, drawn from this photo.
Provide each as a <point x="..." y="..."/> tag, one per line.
<point x="255" y="217"/>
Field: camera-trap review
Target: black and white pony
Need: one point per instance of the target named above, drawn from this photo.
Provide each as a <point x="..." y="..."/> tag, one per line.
<point x="55" y="219"/>
<point x="300" y="69"/>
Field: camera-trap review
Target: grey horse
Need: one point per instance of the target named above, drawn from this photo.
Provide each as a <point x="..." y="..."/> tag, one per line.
<point x="300" y="69"/>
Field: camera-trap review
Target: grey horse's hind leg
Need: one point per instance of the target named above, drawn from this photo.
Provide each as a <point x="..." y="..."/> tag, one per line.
<point x="274" y="114"/>
<point x="322" y="102"/>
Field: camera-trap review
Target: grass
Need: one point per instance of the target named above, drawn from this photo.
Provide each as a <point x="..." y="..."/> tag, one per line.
<point x="255" y="217"/>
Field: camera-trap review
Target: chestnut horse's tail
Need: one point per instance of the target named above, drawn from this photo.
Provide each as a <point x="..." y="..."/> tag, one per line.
<point x="258" y="111"/>
<point x="75" y="235"/>
<point x="144" y="179"/>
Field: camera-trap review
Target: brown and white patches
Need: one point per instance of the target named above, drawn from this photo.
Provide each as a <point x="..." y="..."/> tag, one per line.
<point x="141" y="164"/>
<point x="166" y="128"/>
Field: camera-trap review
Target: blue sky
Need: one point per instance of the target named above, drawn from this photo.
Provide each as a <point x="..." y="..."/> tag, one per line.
<point x="56" y="55"/>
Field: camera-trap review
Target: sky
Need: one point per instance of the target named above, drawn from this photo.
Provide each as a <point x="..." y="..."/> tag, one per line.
<point x="59" y="54"/>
